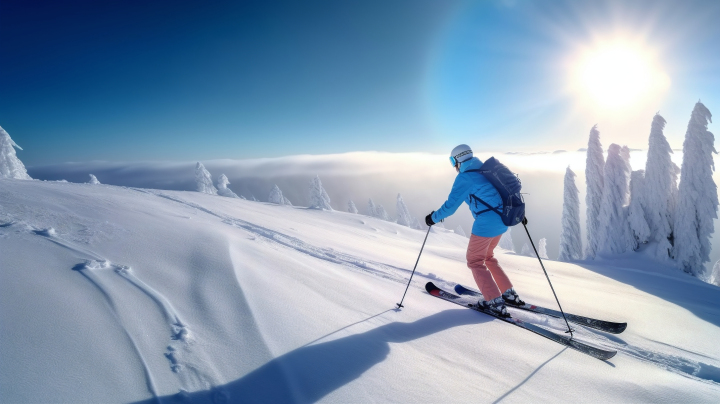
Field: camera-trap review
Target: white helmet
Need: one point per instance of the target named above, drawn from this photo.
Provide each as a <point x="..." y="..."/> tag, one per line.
<point x="460" y="153"/>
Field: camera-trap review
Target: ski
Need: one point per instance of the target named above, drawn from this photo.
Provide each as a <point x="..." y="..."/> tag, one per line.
<point x="598" y="353"/>
<point x="606" y="326"/>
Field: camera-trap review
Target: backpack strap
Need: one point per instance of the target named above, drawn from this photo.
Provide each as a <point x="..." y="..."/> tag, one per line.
<point x="489" y="208"/>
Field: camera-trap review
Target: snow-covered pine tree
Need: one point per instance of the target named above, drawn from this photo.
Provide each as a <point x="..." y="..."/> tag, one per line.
<point x="276" y="196"/>
<point x="222" y="188"/>
<point x="351" y="207"/>
<point x="659" y="189"/>
<point x="10" y="164"/>
<point x="527" y="251"/>
<point x="636" y="215"/>
<point x="93" y="180"/>
<point x="372" y="209"/>
<point x="506" y="242"/>
<point x="381" y="213"/>
<point x="459" y="230"/>
<point x="416" y="223"/>
<point x="614" y="231"/>
<point x="570" y="238"/>
<point x="713" y="277"/>
<point x="594" y="167"/>
<point x="404" y="218"/>
<point x="286" y="201"/>
<point x="697" y="203"/>
<point x="203" y="179"/>
<point x="319" y="199"/>
<point x="542" y="248"/>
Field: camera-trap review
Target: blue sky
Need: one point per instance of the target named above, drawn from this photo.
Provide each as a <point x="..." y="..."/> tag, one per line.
<point x="131" y="80"/>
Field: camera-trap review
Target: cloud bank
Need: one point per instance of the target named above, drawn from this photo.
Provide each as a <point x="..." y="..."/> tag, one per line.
<point x="424" y="180"/>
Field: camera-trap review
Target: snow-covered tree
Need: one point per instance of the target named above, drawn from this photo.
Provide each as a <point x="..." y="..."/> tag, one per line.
<point x="203" y="179"/>
<point x="222" y="188"/>
<point x="660" y="189"/>
<point x="93" y="180"/>
<point x="381" y="213"/>
<point x="636" y="215"/>
<point x="416" y="223"/>
<point x="351" y="207"/>
<point x="570" y="238"/>
<point x="459" y="230"/>
<point x="286" y="201"/>
<point x="10" y="165"/>
<point x="614" y="231"/>
<point x="527" y="251"/>
<point x="713" y="277"/>
<point x="506" y="242"/>
<point x="319" y="199"/>
<point x="404" y="218"/>
<point x="253" y="197"/>
<point x="276" y="196"/>
<point x="697" y="203"/>
<point x="371" y="208"/>
<point x="542" y="248"/>
<point x="594" y="167"/>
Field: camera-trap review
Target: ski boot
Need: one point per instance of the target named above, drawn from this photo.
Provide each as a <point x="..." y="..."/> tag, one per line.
<point x="495" y="306"/>
<point x="511" y="297"/>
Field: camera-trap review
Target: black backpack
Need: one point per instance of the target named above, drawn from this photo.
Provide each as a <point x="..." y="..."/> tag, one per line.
<point x="508" y="186"/>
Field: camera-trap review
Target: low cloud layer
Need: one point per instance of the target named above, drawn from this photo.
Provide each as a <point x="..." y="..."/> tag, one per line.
<point x="424" y="181"/>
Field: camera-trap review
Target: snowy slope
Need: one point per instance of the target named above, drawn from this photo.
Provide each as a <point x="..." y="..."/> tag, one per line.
<point x="112" y="294"/>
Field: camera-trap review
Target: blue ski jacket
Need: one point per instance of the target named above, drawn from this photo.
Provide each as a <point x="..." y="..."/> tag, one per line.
<point x="488" y="224"/>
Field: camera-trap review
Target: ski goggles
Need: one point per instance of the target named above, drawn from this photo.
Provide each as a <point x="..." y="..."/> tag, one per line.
<point x="453" y="159"/>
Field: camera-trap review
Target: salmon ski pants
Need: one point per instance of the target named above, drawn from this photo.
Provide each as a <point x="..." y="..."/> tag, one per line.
<point x="489" y="276"/>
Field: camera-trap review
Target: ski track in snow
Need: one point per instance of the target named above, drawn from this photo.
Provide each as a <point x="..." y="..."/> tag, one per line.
<point x="382" y="270"/>
<point x="678" y="363"/>
<point x="668" y="357"/>
<point x="192" y="367"/>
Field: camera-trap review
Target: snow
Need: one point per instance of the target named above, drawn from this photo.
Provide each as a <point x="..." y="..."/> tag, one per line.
<point x="614" y="231"/>
<point x="639" y="227"/>
<point x="93" y="180"/>
<point x="351" y="207"/>
<point x="697" y="204"/>
<point x="570" y="237"/>
<point x="10" y="164"/>
<point x="527" y="251"/>
<point x="659" y="190"/>
<point x="542" y="248"/>
<point x="222" y="187"/>
<point x="594" y="168"/>
<point x="404" y="217"/>
<point x="319" y="199"/>
<point x="459" y="231"/>
<point x="114" y="294"/>
<point x="506" y="241"/>
<point x="276" y="196"/>
<point x="203" y="180"/>
<point x="714" y="275"/>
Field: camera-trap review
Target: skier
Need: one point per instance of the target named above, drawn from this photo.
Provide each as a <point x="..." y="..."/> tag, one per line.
<point x="486" y="231"/>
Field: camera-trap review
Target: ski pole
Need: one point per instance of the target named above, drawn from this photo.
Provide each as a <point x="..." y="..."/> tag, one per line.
<point x="548" y="279"/>
<point x="399" y="305"/>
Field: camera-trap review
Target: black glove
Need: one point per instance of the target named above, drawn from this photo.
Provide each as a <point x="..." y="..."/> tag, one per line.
<point x="524" y="221"/>
<point x="428" y="219"/>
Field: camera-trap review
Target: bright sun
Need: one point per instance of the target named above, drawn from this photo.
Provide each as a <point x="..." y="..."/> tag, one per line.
<point x="618" y="75"/>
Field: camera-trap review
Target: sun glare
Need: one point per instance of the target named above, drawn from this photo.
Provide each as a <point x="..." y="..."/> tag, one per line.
<point x="618" y="75"/>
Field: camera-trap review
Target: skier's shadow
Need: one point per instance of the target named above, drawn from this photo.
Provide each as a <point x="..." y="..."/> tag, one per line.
<point x="309" y="373"/>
